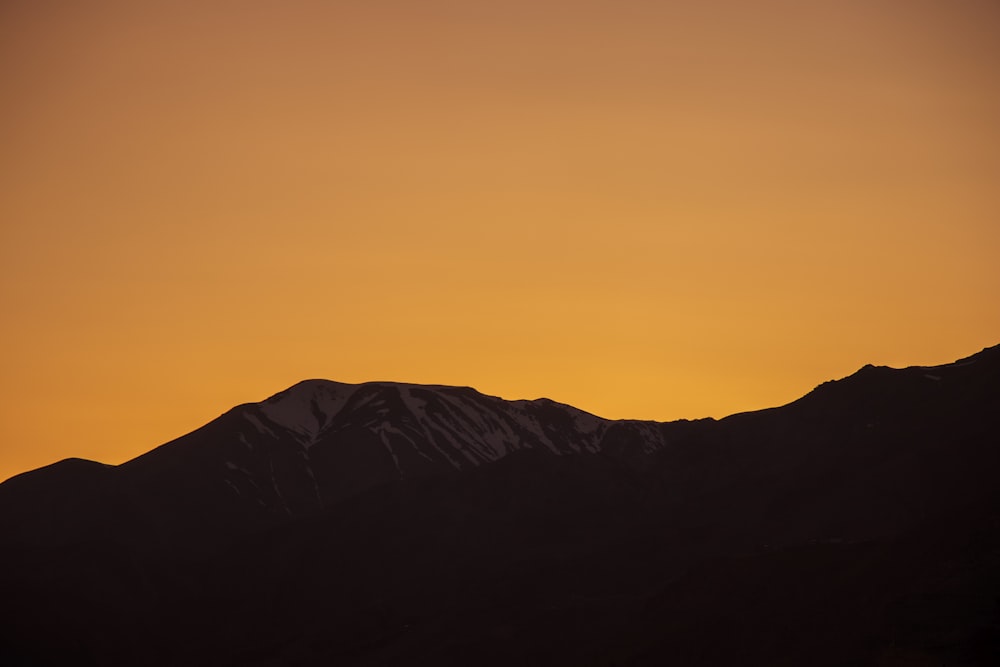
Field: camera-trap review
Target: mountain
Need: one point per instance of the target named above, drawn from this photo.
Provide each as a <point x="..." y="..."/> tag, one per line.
<point x="296" y="454"/>
<point x="387" y="523"/>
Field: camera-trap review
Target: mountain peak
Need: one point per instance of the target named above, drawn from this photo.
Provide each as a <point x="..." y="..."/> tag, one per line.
<point x="392" y="523"/>
<point x="307" y="407"/>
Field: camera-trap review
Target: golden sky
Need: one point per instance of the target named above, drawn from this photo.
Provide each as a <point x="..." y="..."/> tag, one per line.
<point x="647" y="209"/>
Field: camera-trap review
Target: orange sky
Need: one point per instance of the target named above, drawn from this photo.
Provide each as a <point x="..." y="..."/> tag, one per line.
<point x="643" y="208"/>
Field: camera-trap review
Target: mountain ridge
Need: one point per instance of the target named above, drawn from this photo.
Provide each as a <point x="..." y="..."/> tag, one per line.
<point x="395" y="523"/>
<point x="313" y="383"/>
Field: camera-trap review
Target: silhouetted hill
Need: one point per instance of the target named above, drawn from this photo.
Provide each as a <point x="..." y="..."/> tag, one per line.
<point x="384" y="523"/>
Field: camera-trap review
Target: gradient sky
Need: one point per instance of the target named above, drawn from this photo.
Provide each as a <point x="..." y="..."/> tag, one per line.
<point x="646" y="209"/>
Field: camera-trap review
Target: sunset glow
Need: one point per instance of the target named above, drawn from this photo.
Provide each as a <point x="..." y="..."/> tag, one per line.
<point x="645" y="209"/>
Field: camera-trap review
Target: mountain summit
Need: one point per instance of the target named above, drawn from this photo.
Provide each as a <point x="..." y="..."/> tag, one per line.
<point x="389" y="523"/>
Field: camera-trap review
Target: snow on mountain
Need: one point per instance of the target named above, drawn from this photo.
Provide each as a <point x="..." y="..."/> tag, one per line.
<point x="307" y="407"/>
<point x="454" y="424"/>
<point x="386" y="523"/>
<point x="320" y="441"/>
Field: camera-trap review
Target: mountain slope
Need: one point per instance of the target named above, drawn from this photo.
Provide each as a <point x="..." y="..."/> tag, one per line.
<point x="296" y="453"/>
<point x="391" y="524"/>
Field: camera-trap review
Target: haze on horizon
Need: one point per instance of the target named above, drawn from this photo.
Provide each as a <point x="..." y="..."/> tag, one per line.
<point x="644" y="209"/>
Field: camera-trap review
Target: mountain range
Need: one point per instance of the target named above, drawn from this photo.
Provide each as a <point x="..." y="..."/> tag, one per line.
<point x="390" y="524"/>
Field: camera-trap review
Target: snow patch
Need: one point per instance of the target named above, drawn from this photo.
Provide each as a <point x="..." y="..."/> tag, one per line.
<point x="388" y="428"/>
<point x="246" y="443"/>
<point x="258" y="424"/>
<point x="277" y="491"/>
<point x="388" y="447"/>
<point x="585" y="422"/>
<point x="233" y="466"/>
<point x="308" y="407"/>
<point x="418" y="408"/>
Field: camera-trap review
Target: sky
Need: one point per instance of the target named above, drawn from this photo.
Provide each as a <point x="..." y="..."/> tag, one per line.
<point x="646" y="209"/>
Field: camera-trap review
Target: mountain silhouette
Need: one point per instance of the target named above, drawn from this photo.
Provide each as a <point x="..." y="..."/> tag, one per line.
<point x="390" y="524"/>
